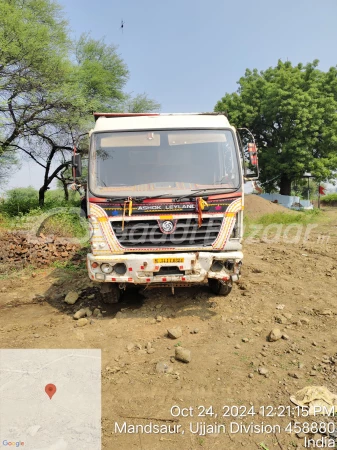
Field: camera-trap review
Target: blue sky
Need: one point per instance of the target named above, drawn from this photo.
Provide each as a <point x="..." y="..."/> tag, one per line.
<point x="186" y="54"/>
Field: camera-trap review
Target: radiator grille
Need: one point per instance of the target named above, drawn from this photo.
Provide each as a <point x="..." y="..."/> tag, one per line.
<point x="147" y="234"/>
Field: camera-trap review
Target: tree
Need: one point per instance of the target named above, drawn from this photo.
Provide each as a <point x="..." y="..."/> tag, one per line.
<point x="49" y="87"/>
<point x="292" y="113"/>
<point x="33" y="63"/>
<point x="20" y="200"/>
<point x="100" y="74"/>
<point x="140" y="104"/>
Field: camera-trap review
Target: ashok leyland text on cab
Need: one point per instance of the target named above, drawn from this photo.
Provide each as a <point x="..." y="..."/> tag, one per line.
<point x="165" y="201"/>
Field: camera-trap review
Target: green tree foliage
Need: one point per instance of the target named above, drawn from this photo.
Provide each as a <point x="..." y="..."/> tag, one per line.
<point x="292" y="112"/>
<point x="140" y="104"/>
<point x="100" y="73"/>
<point x="33" y="64"/>
<point x="20" y="200"/>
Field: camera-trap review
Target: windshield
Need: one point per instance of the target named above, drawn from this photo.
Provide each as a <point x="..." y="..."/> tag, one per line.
<point x="171" y="162"/>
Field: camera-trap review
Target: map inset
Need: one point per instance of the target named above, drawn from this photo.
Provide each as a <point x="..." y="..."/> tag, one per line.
<point x="50" y="399"/>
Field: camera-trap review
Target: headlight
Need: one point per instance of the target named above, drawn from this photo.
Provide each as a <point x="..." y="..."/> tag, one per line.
<point x="120" y="268"/>
<point x="217" y="266"/>
<point x="106" y="268"/>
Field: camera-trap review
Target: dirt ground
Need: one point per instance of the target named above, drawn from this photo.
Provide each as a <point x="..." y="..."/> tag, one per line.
<point x="286" y="285"/>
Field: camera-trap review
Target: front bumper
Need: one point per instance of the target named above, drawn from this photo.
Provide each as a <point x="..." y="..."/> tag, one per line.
<point x="192" y="267"/>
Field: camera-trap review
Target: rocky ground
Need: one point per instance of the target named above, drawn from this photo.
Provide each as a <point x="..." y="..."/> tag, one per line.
<point x="231" y="359"/>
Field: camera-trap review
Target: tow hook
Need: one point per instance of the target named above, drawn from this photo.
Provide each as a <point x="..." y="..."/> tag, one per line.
<point x="122" y="286"/>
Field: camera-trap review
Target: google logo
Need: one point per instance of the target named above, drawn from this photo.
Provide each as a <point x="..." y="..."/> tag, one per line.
<point x="14" y="444"/>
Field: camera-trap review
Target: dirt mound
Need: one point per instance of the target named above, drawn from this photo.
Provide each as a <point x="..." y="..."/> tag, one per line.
<point x="256" y="206"/>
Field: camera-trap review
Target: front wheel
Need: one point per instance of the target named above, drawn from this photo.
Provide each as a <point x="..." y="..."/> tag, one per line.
<point x="219" y="288"/>
<point x="110" y="293"/>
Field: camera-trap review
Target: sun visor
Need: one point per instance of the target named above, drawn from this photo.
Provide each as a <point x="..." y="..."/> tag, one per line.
<point x="133" y="139"/>
<point x="182" y="138"/>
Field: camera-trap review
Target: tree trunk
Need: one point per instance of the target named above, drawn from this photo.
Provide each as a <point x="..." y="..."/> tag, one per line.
<point x="47" y="180"/>
<point x="65" y="189"/>
<point x="285" y="185"/>
<point x="42" y="191"/>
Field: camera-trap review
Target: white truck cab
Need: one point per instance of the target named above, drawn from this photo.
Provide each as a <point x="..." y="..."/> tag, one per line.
<point x="165" y="201"/>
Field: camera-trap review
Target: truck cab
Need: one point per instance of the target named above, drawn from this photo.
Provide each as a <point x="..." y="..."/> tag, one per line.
<point x="165" y="201"/>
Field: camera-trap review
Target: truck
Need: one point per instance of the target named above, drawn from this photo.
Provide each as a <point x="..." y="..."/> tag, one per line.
<point x="165" y="201"/>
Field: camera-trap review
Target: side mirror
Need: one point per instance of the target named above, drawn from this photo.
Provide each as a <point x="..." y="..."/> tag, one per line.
<point x="251" y="163"/>
<point x="77" y="165"/>
<point x="252" y="152"/>
<point x="248" y="149"/>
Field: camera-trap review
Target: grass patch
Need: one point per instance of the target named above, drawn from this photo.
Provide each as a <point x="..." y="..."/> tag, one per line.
<point x="64" y="224"/>
<point x="4" y="221"/>
<point x="264" y="224"/>
<point x="302" y="217"/>
<point x="330" y="199"/>
<point x="281" y="218"/>
<point x="20" y="201"/>
<point x="69" y="266"/>
<point x="20" y="210"/>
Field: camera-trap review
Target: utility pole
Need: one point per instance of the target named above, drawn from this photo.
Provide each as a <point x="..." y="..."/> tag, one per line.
<point x="308" y="175"/>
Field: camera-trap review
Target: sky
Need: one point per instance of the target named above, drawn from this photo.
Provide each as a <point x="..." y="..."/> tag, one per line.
<point x="186" y="54"/>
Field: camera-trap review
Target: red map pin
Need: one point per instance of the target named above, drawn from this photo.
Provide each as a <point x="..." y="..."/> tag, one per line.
<point x="50" y="390"/>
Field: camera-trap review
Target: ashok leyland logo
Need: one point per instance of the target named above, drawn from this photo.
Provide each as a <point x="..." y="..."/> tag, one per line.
<point x="167" y="226"/>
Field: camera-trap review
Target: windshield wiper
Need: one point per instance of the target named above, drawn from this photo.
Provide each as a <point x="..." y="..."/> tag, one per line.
<point x="193" y="193"/>
<point x="198" y="191"/>
<point x="134" y="199"/>
<point x="122" y="199"/>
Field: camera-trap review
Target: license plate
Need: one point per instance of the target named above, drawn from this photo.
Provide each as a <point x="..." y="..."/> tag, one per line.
<point x="168" y="260"/>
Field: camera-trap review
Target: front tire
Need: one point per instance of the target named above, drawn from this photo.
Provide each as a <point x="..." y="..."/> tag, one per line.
<point x="110" y="293"/>
<point x="219" y="288"/>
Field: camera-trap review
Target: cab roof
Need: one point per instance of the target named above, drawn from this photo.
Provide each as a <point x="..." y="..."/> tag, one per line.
<point x="127" y="114"/>
<point x="146" y="121"/>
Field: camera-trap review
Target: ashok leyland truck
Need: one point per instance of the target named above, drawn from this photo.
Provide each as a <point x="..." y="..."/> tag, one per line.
<point x="165" y="201"/>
